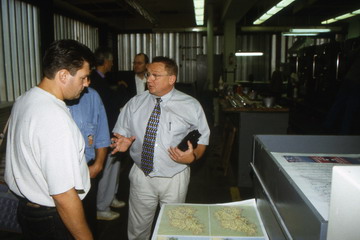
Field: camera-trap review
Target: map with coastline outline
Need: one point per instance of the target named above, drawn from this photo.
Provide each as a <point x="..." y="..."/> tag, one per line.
<point x="201" y="221"/>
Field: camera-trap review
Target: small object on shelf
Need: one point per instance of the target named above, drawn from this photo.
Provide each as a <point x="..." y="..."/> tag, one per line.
<point x="269" y="102"/>
<point x="253" y="95"/>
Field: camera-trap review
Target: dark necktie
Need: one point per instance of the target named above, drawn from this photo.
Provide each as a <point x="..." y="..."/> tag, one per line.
<point x="147" y="153"/>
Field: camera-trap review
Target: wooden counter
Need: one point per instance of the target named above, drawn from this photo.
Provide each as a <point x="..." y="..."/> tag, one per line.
<point x="255" y="109"/>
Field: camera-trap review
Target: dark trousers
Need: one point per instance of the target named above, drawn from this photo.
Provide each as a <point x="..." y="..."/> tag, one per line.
<point x="40" y="222"/>
<point x="89" y="203"/>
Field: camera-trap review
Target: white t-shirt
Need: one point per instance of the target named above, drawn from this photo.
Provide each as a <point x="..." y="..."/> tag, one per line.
<point x="45" y="149"/>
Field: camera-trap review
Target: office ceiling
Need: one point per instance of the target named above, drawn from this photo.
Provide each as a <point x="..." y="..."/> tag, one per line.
<point x="147" y="15"/>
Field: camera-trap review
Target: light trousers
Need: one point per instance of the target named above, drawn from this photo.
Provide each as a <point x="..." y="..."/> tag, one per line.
<point x="108" y="184"/>
<point x="145" y="195"/>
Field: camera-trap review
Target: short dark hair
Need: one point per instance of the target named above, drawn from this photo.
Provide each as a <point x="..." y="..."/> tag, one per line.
<point x="65" y="54"/>
<point x="170" y="65"/>
<point x="146" y="58"/>
<point x="102" y="54"/>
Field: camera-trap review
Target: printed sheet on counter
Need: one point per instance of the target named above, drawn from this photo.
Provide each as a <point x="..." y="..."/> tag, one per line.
<point x="312" y="174"/>
<point x="230" y="221"/>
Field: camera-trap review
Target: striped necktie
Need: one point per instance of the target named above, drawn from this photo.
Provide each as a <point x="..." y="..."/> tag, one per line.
<point x="147" y="153"/>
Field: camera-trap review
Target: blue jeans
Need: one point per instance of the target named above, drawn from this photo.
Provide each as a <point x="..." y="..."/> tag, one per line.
<point x="40" y="222"/>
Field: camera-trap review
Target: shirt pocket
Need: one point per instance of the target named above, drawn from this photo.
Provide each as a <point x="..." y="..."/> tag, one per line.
<point x="177" y="125"/>
<point x="89" y="135"/>
<point x="177" y="129"/>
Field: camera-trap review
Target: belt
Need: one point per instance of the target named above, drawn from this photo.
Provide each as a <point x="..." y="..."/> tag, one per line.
<point x="33" y="205"/>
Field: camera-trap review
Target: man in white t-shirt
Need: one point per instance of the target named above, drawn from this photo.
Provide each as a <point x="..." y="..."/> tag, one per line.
<point x="45" y="162"/>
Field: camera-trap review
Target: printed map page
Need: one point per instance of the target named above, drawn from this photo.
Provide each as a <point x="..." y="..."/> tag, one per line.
<point x="201" y="221"/>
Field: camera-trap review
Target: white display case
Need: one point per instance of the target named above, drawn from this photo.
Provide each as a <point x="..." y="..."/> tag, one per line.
<point x="293" y="181"/>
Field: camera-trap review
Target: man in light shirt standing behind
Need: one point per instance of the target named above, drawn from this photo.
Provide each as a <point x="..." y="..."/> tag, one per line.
<point x="135" y="83"/>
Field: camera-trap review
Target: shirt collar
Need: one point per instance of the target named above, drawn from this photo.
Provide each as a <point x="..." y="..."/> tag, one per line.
<point x="164" y="98"/>
<point x="141" y="79"/>
<point x="100" y="73"/>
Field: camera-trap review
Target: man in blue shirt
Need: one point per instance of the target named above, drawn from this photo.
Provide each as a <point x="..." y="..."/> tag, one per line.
<point x="89" y="114"/>
<point x="108" y="184"/>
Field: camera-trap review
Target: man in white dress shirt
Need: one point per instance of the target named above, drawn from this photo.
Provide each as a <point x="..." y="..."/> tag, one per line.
<point x="168" y="178"/>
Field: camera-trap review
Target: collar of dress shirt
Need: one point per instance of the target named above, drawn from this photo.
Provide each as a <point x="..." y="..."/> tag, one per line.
<point x="140" y="79"/>
<point x="165" y="98"/>
<point x="100" y="73"/>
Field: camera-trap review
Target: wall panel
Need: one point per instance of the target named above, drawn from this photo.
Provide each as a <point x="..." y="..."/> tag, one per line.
<point x="182" y="47"/>
<point x="67" y="28"/>
<point x="19" y="49"/>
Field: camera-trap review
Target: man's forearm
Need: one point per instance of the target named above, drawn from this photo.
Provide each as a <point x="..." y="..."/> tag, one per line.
<point x="188" y="156"/>
<point x="70" y="209"/>
<point x="100" y="157"/>
<point x="199" y="151"/>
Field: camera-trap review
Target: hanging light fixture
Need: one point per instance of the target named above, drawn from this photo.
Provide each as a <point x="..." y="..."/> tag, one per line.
<point x="299" y="34"/>
<point x="310" y="30"/>
<point x="248" y="54"/>
<point x="306" y="31"/>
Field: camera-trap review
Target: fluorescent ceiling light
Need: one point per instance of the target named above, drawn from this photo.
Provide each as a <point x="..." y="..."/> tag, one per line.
<point x="341" y="17"/>
<point x="284" y="3"/>
<point x="347" y="15"/>
<point x="305" y="31"/>
<point x="200" y="22"/>
<point x="200" y="17"/>
<point x="309" y="30"/>
<point x="265" y="17"/>
<point x="262" y="19"/>
<point x="272" y="11"/>
<point x="257" y="22"/>
<point x="199" y="3"/>
<point x="329" y="21"/>
<point x="199" y="6"/>
<point x="199" y="11"/>
<point x="243" y="54"/>
<point x="299" y="34"/>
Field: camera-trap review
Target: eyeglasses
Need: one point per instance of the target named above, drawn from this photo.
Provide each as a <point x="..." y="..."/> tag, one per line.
<point x="156" y="76"/>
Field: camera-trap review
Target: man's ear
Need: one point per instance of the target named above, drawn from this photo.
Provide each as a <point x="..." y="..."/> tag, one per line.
<point x="172" y="79"/>
<point x="63" y="75"/>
